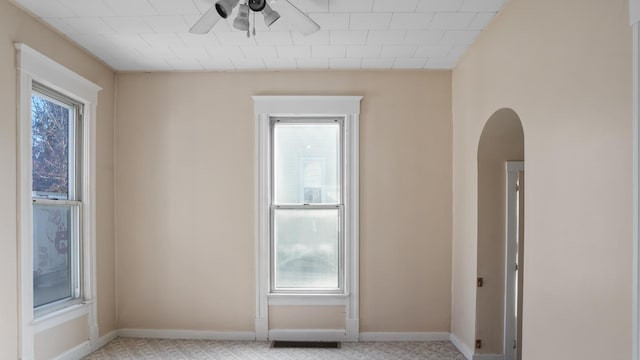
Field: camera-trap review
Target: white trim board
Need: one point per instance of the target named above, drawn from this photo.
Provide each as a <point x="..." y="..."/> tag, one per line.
<point x="404" y="336"/>
<point x="468" y="353"/>
<point x="636" y="190"/>
<point x="75" y="353"/>
<point x="104" y="340"/>
<point x="188" y="334"/>
<point x="308" y="335"/>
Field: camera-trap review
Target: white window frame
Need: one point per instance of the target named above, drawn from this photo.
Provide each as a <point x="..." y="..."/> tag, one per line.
<point x="348" y="108"/>
<point x="32" y="66"/>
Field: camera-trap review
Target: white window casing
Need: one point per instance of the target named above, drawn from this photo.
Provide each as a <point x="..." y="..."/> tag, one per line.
<point x="32" y="66"/>
<point x="344" y="107"/>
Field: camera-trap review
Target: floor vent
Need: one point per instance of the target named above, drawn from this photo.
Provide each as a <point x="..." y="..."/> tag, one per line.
<point x="306" y="344"/>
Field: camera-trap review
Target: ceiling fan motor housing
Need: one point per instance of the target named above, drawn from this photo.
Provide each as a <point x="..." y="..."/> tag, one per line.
<point x="257" y="5"/>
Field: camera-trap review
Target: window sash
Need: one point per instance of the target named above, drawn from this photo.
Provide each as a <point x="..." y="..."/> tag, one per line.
<point x="73" y="201"/>
<point x="274" y="206"/>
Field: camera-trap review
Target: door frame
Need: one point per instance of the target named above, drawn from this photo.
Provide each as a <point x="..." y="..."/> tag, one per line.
<point x="511" y="254"/>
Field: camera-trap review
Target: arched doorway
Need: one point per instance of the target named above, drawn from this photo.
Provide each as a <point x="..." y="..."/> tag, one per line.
<point x="499" y="268"/>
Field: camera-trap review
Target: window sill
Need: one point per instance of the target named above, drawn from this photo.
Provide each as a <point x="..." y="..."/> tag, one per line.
<point x="308" y="299"/>
<point x="57" y="317"/>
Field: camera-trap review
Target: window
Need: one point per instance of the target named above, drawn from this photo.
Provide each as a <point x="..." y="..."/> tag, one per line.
<point x="307" y="206"/>
<point x="56" y="198"/>
<point x="56" y="190"/>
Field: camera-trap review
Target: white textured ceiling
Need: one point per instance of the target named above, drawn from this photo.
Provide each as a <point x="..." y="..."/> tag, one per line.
<point x="153" y="35"/>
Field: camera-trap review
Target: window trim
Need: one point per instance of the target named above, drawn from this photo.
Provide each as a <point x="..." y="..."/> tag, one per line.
<point x="266" y="108"/>
<point x="32" y="66"/>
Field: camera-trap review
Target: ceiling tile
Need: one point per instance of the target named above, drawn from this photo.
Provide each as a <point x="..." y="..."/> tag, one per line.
<point x="370" y="21"/>
<point x="280" y="64"/>
<point x="62" y="25"/>
<point x="386" y="37"/>
<point x="259" y="52"/>
<point x="167" y="24"/>
<point x="330" y="21"/>
<point x="47" y="9"/>
<point x="157" y="52"/>
<point x="89" y="25"/>
<point x="232" y="38"/>
<point x="482" y="5"/>
<point x="162" y="39"/>
<point x="248" y="64"/>
<point x="217" y="64"/>
<point x="423" y="37"/>
<point x="451" y="20"/>
<point x="458" y="51"/>
<point x="439" y="5"/>
<point x="319" y="38"/>
<point x="441" y="63"/>
<point x="197" y="40"/>
<point x="293" y="51"/>
<point x="395" y="5"/>
<point x="409" y="63"/>
<point x="324" y="51"/>
<point x="353" y="37"/>
<point x="174" y="7"/>
<point x="185" y="64"/>
<point x="191" y="53"/>
<point x="410" y="20"/>
<point x="398" y="51"/>
<point x="131" y="8"/>
<point x="364" y="51"/>
<point x="481" y="20"/>
<point x="83" y="8"/>
<point x="336" y="63"/>
<point x="274" y="38"/>
<point x="377" y="63"/>
<point x="226" y="52"/>
<point x="313" y="63"/>
<point x="311" y="5"/>
<point x="428" y="51"/>
<point x="130" y="41"/>
<point x="350" y="5"/>
<point x="128" y="25"/>
<point x="460" y="37"/>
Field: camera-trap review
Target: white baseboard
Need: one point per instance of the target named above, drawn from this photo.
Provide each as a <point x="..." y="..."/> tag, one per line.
<point x="188" y="334"/>
<point x="308" y="335"/>
<point x="468" y="353"/>
<point x="488" y="357"/>
<point x="104" y="340"/>
<point x="76" y="353"/>
<point x="404" y="336"/>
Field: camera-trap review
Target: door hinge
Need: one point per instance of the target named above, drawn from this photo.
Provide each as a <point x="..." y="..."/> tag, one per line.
<point x="515" y="344"/>
<point x="515" y="267"/>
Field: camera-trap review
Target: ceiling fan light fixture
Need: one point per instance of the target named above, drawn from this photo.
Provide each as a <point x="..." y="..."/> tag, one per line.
<point x="242" y="20"/>
<point x="225" y="7"/>
<point x="270" y="15"/>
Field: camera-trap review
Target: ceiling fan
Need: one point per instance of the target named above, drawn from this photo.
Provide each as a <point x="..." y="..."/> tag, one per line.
<point x="221" y="9"/>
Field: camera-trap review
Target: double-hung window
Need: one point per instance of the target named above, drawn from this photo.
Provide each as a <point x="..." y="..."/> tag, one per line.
<point x="56" y="128"/>
<point x="307" y="206"/>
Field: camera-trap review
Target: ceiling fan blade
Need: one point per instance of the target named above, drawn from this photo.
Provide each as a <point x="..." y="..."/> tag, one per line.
<point x="296" y="17"/>
<point x="206" y="22"/>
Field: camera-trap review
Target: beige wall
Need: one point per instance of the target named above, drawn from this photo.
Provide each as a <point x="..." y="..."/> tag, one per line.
<point x="502" y="140"/>
<point x="17" y="26"/>
<point x="185" y="196"/>
<point x="565" y="68"/>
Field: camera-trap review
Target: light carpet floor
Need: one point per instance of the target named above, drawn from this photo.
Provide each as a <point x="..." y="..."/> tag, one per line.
<point x="130" y="348"/>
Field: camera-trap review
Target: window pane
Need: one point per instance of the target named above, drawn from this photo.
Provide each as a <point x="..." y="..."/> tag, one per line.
<point x="306" y="158"/>
<point x="306" y="248"/>
<point x="50" y="124"/>
<point x="54" y="248"/>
